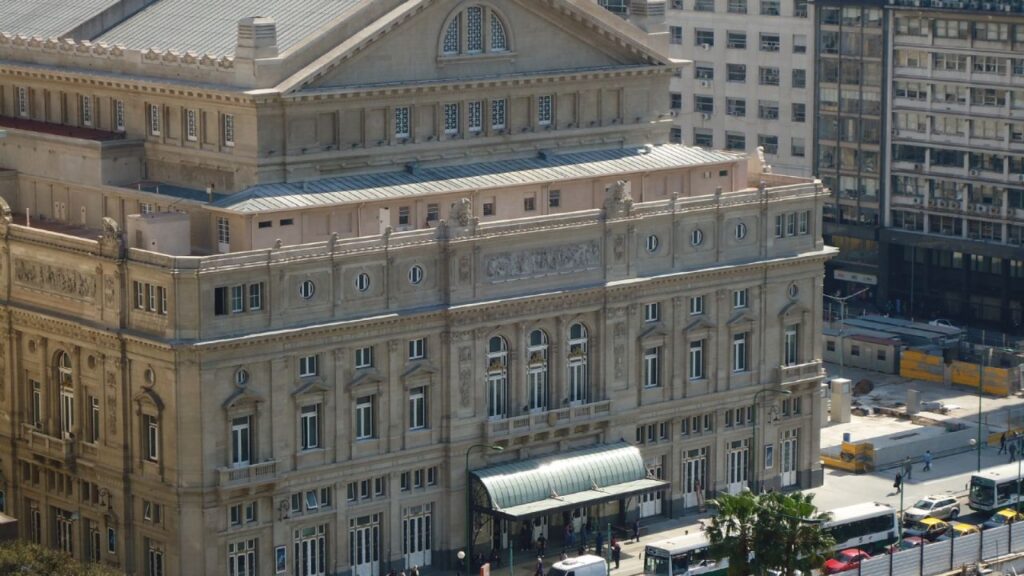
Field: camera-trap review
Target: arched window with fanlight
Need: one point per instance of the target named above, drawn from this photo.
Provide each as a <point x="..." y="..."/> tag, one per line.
<point x="475" y="29"/>
<point x="537" y="370"/>
<point x="579" y="373"/>
<point x="66" y="379"/>
<point x="497" y="377"/>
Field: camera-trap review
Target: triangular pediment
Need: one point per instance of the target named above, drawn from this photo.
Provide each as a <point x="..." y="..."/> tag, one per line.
<point x="311" y="385"/>
<point x="406" y="45"/>
<point x="653" y="330"/>
<point x="698" y="323"/>
<point x="423" y="368"/>
<point x="366" y="376"/>
<point x="241" y="396"/>
<point x="741" y="317"/>
<point x="792" y="308"/>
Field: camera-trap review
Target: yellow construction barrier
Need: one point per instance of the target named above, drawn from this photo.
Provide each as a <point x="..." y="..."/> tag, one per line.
<point x="853" y="457"/>
<point x="917" y="365"/>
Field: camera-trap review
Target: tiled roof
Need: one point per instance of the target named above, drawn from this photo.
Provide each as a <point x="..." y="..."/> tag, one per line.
<point x="449" y="179"/>
<point x="47" y="18"/>
<point x="211" y="26"/>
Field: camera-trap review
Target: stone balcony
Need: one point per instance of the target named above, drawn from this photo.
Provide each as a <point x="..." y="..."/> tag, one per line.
<point x="259" y="473"/>
<point x="800" y="373"/>
<point x="548" y="421"/>
<point x="49" y="446"/>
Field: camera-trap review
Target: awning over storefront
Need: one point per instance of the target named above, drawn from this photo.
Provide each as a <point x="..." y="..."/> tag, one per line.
<point x="535" y="487"/>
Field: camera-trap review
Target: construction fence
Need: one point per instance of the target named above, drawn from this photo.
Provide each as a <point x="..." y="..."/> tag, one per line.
<point x="919" y="365"/>
<point x="947" y="556"/>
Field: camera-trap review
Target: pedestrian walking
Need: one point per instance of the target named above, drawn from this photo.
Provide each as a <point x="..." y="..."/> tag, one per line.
<point x="570" y="538"/>
<point x="542" y="545"/>
<point x="616" y="553"/>
<point x="927" y="461"/>
<point x="1002" y="443"/>
<point x="636" y="530"/>
<point x="1013" y="452"/>
<point x="908" y="468"/>
<point x="415" y="571"/>
<point x="599" y="542"/>
<point x="564" y="556"/>
<point x="540" y="567"/>
<point x="898" y="484"/>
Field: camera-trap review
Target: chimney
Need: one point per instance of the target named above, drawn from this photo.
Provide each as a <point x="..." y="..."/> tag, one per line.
<point x="257" y="38"/>
<point x="649" y="16"/>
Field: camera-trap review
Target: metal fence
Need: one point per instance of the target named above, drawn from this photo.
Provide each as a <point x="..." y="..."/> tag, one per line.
<point x="947" y="556"/>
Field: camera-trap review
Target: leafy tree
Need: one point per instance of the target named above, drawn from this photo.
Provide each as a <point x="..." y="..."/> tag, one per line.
<point x="732" y="530"/>
<point x="790" y="535"/>
<point x="19" y="557"/>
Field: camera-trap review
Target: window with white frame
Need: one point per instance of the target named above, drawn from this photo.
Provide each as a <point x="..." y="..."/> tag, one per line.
<point x="364" y="418"/>
<point x="652" y="312"/>
<point x="155" y="119"/>
<point x="119" y="124"/>
<point x="151" y="430"/>
<point x="308" y="366"/>
<point x="191" y="125"/>
<point x="544" y="112"/>
<point x="86" y="107"/>
<point x="791" y="353"/>
<point x="417" y="348"/>
<point x="497" y="377"/>
<point x="401" y="120"/>
<point x="94" y="419"/>
<point x="697" y="305"/>
<point x="498" y="120"/>
<point x="154" y="559"/>
<point x="804" y="221"/>
<point x="242" y="558"/>
<point x="696" y="370"/>
<point x="256" y="296"/>
<point x="739" y="298"/>
<point x="228" y="129"/>
<point x="364" y="357"/>
<point x="537" y="370"/>
<point x="241" y="441"/>
<point x="739" y="352"/>
<point x="579" y="366"/>
<point x="652" y="367"/>
<point x="223" y="232"/>
<point x="309" y="426"/>
<point x="451" y="118"/>
<point x="237" y="298"/>
<point x="417" y="408"/>
<point x="474" y="116"/>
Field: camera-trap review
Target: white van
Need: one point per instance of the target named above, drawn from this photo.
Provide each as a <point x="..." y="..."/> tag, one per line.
<point x="586" y="565"/>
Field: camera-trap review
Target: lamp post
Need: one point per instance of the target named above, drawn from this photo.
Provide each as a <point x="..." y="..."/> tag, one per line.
<point x="981" y="387"/>
<point x="755" y="475"/>
<point x="469" y="503"/>
<point x="842" y="318"/>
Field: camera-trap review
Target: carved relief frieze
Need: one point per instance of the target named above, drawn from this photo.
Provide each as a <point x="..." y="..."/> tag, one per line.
<point x="539" y="262"/>
<point x="54" y="279"/>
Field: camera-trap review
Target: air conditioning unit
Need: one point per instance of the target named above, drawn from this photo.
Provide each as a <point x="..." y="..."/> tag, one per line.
<point x="706" y="116"/>
<point x="916" y="200"/>
<point x="705" y="84"/>
<point x="940" y="203"/>
<point x="994" y="210"/>
<point x="705" y="46"/>
<point x="974" y="172"/>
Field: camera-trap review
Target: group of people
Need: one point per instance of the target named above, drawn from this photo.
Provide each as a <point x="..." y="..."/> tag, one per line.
<point x="1010" y="442"/>
<point x="414" y="572"/>
<point x="907" y="470"/>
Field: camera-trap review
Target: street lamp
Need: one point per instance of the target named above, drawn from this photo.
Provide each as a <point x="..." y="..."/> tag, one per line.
<point x="842" y="317"/>
<point x="469" y="504"/>
<point x="757" y="449"/>
<point x="981" y="388"/>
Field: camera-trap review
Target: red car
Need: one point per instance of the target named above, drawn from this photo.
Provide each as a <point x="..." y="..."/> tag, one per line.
<point x="848" y="559"/>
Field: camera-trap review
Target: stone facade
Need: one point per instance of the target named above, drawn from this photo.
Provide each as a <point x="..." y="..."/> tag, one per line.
<point x="298" y="386"/>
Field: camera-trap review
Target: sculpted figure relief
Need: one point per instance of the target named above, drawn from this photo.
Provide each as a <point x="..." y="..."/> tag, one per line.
<point x="461" y="212"/>
<point x="542" y="261"/>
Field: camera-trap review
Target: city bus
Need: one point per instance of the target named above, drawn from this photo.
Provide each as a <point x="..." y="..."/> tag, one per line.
<point x="869" y="526"/>
<point x="994" y="489"/>
<point x="683" y="556"/>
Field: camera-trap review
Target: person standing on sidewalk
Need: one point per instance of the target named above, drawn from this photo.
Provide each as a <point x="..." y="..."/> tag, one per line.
<point x="540" y="567"/>
<point x="1013" y="452"/>
<point x="636" y="530"/>
<point x="1002" y="443"/>
<point x="616" y="553"/>
<point x="898" y="484"/>
<point x="908" y="468"/>
<point x="598" y="542"/>
<point x="927" y="461"/>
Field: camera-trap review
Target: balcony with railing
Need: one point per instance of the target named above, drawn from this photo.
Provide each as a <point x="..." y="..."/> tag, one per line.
<point x="258" y="473"/>
<point x="49" y="446"/>
<point x="799" y="373"/>
<point x="547" y="421"/>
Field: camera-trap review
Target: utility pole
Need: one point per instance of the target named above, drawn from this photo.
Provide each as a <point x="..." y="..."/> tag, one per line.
<point x="842" y="319"/>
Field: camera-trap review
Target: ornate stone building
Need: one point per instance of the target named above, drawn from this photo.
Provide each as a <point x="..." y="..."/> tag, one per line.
<point x="263" y="290"/>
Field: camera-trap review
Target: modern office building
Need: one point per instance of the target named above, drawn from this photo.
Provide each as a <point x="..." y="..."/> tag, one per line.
<point x="275" y="294"/>
<point x="751" y="83"/>
<point x="954" y="218"/>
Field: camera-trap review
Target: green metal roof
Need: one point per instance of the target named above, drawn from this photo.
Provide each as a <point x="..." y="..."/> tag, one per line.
<point x="592" y="473"/>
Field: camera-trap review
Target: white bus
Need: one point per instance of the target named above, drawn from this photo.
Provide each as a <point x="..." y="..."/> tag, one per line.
<point x="683" y="556"/>
<point x="870" y="527"/>
<point x="994" y="489"/>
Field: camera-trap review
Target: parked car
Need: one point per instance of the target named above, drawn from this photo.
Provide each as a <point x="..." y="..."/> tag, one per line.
<point x="958" y="530"/>
<point x="941" y="507"/>
<point x="1003" y="517"/>
<point x="926" y="528"/>
<point x="907" y="543"/>
<point x="848" y="559"/>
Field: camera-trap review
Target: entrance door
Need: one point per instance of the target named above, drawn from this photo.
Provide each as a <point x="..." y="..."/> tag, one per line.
<point x="540" y="528"/>
<point x="579" y="520"/>
<point x="364" y="545"/>
<point x="695" y="477"/>
<point x="790" y="443"/>
<point x="737" y="465"/>
<point x="311" y="551"/>
<point x="650" y="502"/>
<point x="416" y="536"/>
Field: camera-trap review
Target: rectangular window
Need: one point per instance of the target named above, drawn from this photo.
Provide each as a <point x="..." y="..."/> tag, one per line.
<point x="652" y="312"/>
<point x="37" y="403"/>
<point x="529" y="204"/>
<point x="769" y="42"/>
<point x="675" y="135"/>
<point x="736" y="107"/>
<point x="256" y="296"/>
<point x="238" y="298"/>
<point x="417" y="409"/>
<point x="675" y="35"/>
<point x="799" y="78"/>
<point x="735" y="141"/>
<point x="780" y="230"/>
<point x="799" y="43"/>
<point x="498" y="121"/>
<point x="94" y="419"/>
<point x="736" y="40"/>
<point x="308" y="366"/>
<point x="119" y="125"/>
<point x="737" y="7"/>
<point x="703" y="37"/>
<point x="704" y="137"/>
<point x="155" y="562"/>
<point x="799" y="112"/>
<point x="696" y="371"/>
<point x="403" y="215"/>
<point x="364" y="357"/>
<point x="417" y="348"/>
<point x="696" y="305"/>
<point x="401" y="119"/>
<point x="151" y="427"/>
<point x="403" y="482"/>
<point x="544" y="113"/>
<point x="554" y="198"/>
<point x="86" y="106"/>
<point x="451" y="119"/>
<point x="220" y="300"/>
<point x="22" y="98"/>
<point x="805" y="218"/>
<point x="770" y="8"/>
<point x="791" y="224"/>
<point x="364" y="418"/>
<point x="769" y="143"/>
<point x="228" y="129"/>
<point x="739" y="298"/>
<point x="433" y="213"/>
<point x="312" y="503"/>
<point x="140" y="295"/>
<point x="792" y="348"/>
<point x="242" y="558"/>
<point x="736" y="72"/>
<point x="155" y="119"/>
<point x="704" y="104"/>
<point x="191" y="126"/>
<point x="704" y="5"/>
<point x="309" y="422"/>
<point x="739" y="352"/>
<point x="432" y="476"/>
<point x="768" y="76"/>
<point x="703" y="72"/>
<point x="234" y="514"/>
<point x="241" y="441"/>
<point x="161" y="294"/>
<point x="652" y="367"/>
<point x="378" y="486"/>
<point x="151" y="297"/>
<point x="797" y="147"/>
<point x="488" y="208"/>
<point x="223" y="233"/>
<point x="675" y="101"/>
<point x="474" y="116"/>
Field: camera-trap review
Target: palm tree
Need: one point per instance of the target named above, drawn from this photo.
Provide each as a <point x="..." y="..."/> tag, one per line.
<point x="732" y="530"/>
<point x="789" y="533"/>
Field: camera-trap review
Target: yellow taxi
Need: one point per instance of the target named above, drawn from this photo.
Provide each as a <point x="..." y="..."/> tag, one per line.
<point x="928" y="528"/>
<point x="959" y="530"/>
<point x="1002" y="518"/>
